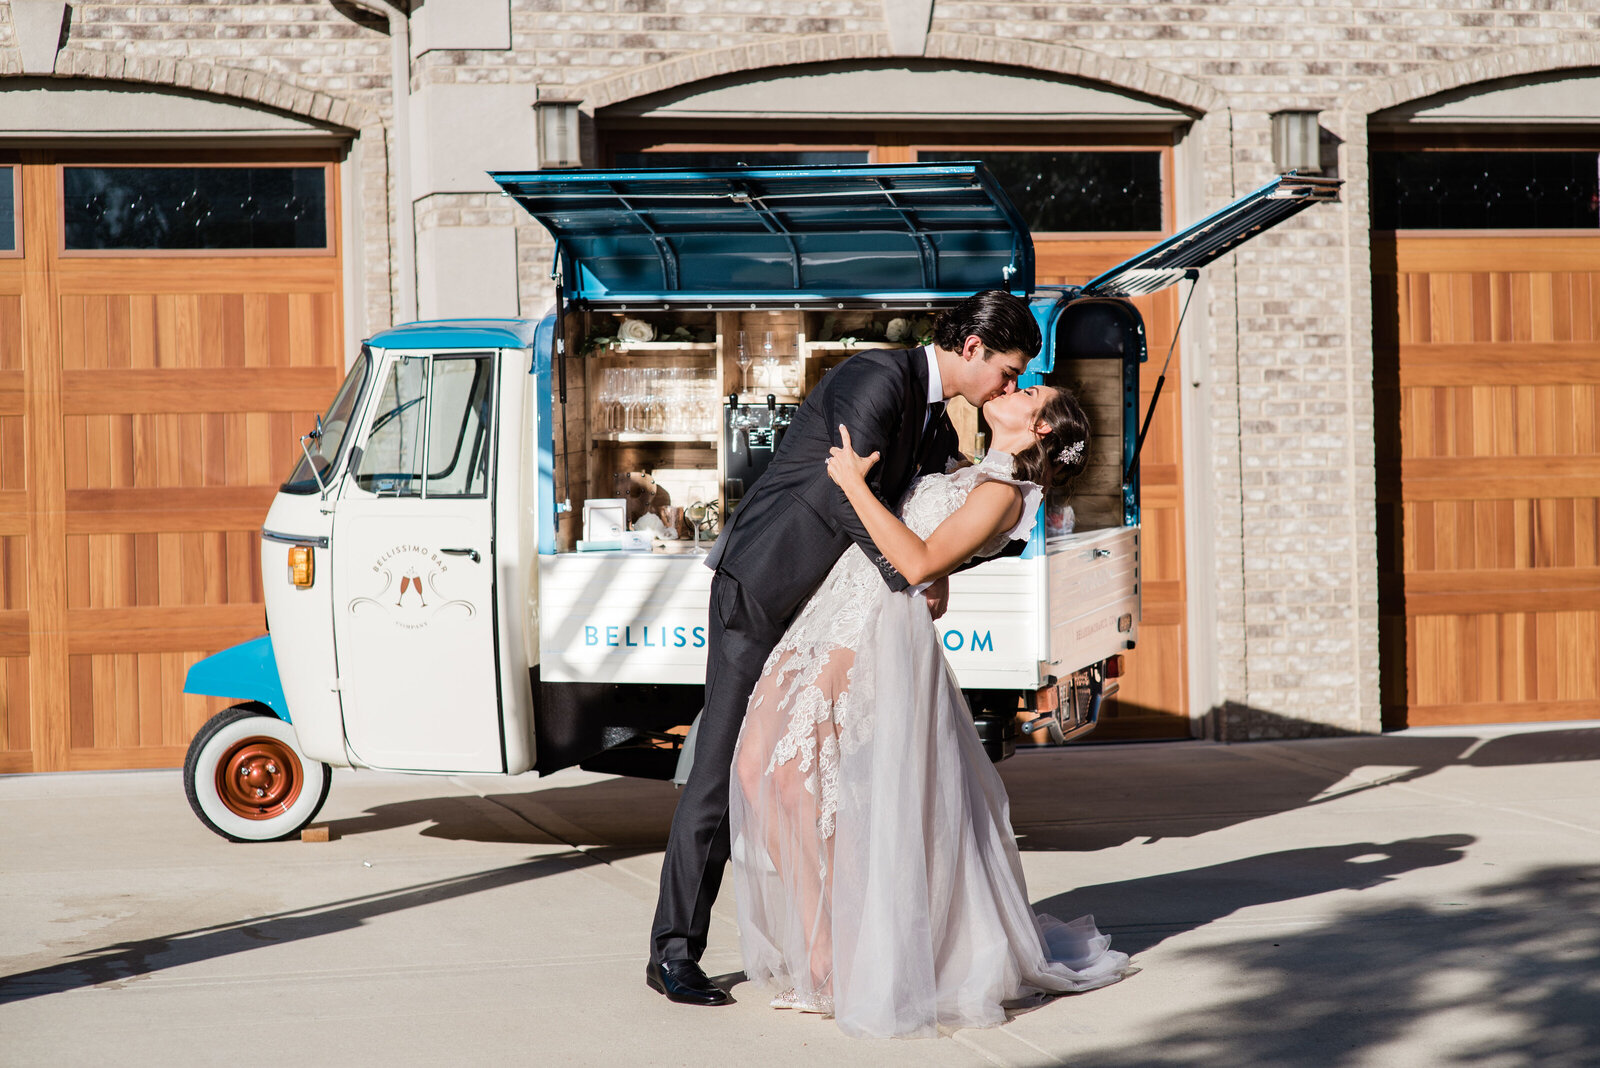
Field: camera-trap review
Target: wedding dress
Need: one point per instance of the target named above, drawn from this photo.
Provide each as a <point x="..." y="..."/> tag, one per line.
<point x="874" y="865"/>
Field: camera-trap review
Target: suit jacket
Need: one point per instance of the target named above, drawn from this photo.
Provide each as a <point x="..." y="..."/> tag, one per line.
<point x="795" y="523"/>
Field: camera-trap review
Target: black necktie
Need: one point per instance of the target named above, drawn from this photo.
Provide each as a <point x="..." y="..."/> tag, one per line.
<point x="930" y="434"/>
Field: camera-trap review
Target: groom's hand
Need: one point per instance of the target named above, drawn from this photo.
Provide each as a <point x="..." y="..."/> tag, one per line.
<point x="938" y="596"/>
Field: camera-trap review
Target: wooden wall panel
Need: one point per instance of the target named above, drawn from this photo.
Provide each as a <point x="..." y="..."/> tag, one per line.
<point x="16" y="747"/>
<point x="10" y="326"/>
<point x="167" y="395"/>
<point x="13" y="573"/>
<point x="1491" y="467"/>
<point x="135" y="701"/>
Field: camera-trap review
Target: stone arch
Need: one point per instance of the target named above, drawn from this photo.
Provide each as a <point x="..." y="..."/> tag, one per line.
<point x="232" y="82"/>
<point x="1428" y="81"/>
<point x="968" y="48"/>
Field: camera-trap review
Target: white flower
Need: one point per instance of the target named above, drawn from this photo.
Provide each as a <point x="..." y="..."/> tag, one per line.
<point x="636" y="330"/>
<point x="897" y="330"/>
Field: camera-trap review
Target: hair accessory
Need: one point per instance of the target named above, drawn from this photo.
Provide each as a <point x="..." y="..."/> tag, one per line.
<point x="1070" y="454"/>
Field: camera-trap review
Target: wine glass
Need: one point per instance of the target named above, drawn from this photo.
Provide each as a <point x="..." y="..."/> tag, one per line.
<point x="769" y="360"/>
<point x="741" y="356"/>
<point x="607" y="400"/>
<point x="650" y="413"/>
<point x="632" y="396"/>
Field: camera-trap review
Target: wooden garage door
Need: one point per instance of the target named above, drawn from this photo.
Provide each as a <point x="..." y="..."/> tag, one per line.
<point x="167" y="328"/>
<point x="1487" y="352"/>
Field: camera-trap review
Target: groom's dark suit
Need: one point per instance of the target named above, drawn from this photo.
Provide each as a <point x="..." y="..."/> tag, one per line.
<point x="787" y="534"/>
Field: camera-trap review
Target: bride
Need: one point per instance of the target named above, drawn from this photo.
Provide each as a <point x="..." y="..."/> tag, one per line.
<point x="874" y="864"/>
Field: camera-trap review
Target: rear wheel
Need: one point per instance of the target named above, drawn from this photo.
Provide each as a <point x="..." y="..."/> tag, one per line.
<point x="246" y="779"/>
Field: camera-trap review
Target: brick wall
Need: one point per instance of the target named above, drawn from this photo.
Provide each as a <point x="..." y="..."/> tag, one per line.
<point x="1282" y="382"/>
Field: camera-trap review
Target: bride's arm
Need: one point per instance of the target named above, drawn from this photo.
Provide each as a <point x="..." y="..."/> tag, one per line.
<point x="990" y="508"/>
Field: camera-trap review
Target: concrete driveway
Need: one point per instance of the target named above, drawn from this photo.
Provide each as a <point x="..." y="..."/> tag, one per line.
<point x="1425" y="898"/>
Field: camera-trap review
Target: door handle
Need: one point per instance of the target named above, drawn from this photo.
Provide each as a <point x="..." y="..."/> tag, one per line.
<point x="472" y="553"/>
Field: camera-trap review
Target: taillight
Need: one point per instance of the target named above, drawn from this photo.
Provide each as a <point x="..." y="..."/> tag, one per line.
<point x="1114" y="667"/>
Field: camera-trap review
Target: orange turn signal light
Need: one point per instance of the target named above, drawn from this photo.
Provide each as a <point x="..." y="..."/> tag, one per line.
<point x="302" y="569"/>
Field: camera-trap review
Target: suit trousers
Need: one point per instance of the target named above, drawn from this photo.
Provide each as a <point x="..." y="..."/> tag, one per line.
<point x="739" y="636"/>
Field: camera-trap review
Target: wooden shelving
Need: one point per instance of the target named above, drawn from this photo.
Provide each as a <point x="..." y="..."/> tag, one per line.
<point x="658" y="348"/>
<point x="759" y="397"/>
<point x="643" y="437"/>
<point x="852" y="346"/>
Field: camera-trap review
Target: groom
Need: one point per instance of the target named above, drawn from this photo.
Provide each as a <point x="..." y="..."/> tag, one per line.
<point x="789" y="531"/>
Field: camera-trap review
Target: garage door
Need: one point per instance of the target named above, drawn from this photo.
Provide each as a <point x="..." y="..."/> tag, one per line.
<point x="168" y="325"/>
<point x="1487" y="352"/>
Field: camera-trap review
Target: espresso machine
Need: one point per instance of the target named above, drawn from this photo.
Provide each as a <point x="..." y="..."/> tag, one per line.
<point x="751" y="433"/>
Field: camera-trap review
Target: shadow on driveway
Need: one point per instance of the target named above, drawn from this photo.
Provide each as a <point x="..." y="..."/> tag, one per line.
<point x="1507" y="976"/>
<point x="125" y="960"/>
<point x="1133" y="792"/>
<point x="1141" y="913"/>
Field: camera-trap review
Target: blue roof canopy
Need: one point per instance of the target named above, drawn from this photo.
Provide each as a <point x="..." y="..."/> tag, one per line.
<point x="457" y="334"/>
<point x="866" y="231"/>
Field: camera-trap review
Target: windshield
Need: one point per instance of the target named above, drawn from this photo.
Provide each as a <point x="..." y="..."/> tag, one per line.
<point x="335" y="427"/>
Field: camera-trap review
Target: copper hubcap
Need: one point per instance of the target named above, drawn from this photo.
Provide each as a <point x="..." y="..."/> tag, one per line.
<point x="259" y="778"/>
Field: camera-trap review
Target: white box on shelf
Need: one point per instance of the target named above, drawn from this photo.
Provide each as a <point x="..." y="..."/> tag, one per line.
<point x="604" y="519"/>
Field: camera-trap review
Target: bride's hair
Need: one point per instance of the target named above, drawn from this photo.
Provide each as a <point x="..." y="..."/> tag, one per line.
<point x="1042" y="464"/>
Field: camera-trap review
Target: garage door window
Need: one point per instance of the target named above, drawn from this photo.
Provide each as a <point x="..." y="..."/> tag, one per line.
<point x="1074" y="191"/>
<point x="1486" y="190"/>
<point x="195" y="209"/>
<point x="8" y="209"/>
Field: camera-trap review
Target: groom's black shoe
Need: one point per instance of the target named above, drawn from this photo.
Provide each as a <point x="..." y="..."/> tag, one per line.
<point x="683" y="981"/>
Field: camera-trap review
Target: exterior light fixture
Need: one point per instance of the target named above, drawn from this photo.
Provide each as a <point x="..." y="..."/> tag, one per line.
<point x="557" y="132"/>
<point x="1296" y="142"/>
<point x="302" y="566"/>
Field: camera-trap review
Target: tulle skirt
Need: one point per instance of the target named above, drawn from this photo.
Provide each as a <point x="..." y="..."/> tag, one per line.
<point x="874" y="864"/>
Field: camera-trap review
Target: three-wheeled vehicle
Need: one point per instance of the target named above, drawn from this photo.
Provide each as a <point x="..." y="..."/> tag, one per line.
<point x="490" y="557"/>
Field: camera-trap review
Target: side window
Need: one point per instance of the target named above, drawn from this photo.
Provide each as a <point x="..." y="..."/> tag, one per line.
<point x="459" y="422"/>
<point x="391" y="461"/>
<point x="438" y="406"/>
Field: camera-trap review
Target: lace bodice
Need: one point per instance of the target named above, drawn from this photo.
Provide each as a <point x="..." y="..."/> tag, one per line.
<point x="935" y="498"/>
<point x="833" y="621"/>
<point x="834" y="613"/>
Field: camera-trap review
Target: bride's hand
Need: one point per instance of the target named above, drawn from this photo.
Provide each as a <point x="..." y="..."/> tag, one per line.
<point x="844" y="466"/>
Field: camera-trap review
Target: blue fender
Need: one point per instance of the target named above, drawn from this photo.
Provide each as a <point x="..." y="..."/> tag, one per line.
<point x="247" y="672"/>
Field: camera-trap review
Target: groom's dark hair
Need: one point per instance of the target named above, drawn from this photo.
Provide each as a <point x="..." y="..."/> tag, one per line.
<point x="1000" y="320"/>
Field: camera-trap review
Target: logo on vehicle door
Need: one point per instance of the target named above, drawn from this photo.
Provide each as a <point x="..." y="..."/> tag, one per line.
<point x="410" y="586"/>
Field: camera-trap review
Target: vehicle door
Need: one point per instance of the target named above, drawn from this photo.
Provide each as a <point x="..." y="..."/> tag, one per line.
<point x="414" y="610"/>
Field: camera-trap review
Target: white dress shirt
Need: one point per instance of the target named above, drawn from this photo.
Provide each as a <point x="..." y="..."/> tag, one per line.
<point x="935" y="384"/>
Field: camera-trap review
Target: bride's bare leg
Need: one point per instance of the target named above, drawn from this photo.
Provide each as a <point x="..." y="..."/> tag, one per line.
<point x="799" y="834"/>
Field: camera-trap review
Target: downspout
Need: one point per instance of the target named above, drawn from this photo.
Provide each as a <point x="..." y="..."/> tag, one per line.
<point x="398" y="14"/>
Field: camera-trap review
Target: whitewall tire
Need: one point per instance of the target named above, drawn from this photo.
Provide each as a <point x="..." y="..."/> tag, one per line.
<point x="247" y="780"/>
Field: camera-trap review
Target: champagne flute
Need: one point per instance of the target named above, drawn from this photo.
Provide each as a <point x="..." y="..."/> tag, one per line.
<point x="769" y="360"/>
<point x="742" y="358"/>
